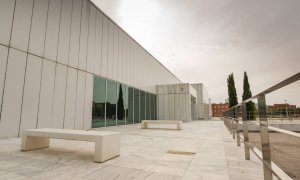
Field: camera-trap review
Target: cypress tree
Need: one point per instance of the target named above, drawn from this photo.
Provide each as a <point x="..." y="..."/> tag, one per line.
<point x="232" y="96"/>
<point x="247" y="94"/>
<point x="120" y="105"/>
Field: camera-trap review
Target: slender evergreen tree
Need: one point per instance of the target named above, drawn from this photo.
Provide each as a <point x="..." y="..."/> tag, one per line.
<point x="232" y="96"/>
<point x="251" y="111"/>
<point x="120" y="105"/>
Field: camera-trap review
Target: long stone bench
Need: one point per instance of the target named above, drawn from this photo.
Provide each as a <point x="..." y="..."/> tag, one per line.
<point x="107" y="144"/>
<point x="146" y="122"/>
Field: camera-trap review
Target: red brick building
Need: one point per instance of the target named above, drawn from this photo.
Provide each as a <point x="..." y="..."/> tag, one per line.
<point x="218" y="109"/>
<point x="281" y="108"/>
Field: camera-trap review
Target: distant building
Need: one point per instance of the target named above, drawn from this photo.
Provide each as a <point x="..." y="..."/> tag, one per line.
<point x="283" y="106"/>
<point x="218" y="109"/>
<point x="282" y="109"/>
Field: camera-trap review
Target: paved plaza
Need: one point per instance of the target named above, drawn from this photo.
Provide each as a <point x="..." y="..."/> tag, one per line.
<point x="202" y="150"/>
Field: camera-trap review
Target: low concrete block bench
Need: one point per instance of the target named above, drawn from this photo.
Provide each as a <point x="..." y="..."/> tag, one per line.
<point x="107" y="144"/>
<point x="146" y="122"/>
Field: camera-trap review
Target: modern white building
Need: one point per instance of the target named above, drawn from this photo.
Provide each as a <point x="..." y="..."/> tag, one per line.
<point x="65" y="64"/>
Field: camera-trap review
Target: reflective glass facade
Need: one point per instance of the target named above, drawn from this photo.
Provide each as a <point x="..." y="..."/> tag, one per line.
<point x="117" y="104"/>
<point x="136" y="106"/>
<point x="99" y="99"/>
<point x="129" y="118"/>
<point x="143" y="105"/>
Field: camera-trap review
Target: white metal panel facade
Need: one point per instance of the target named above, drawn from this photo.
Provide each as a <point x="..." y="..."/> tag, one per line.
<point x="21" y="24"/>
<point x="91" y="39"/>
<point x="58" y="110"/>
<point x="80" y="99"/>
<point x="84" y="32"/>
<point x="31" y="93"/>
<point x="69" y="121"/>
<point x="174" y="102"/>
<point x="69" y="43"/>
<point x="52" y="30"/>
<point x="13" y="94"/>
<point x="98" y="44"/>
<point x="64" y="32"/>
<point x="38" y="27"/>
<point x="75" y="33"/>
<point x="46" y="94"/>
<point x="3" y="61"/>
<point x="6" y="16"/>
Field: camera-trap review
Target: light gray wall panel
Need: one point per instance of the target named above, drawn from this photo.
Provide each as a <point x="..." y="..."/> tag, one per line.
<point x="159" y="106"/>
<point x="69" y="122"/>
<point x="46" y="94"/>
<point x="64" y="32"/>
<point x="80" y="96"/>
<point x="116" y="53"/>
<point x="59" y="96"/>
<point x="38" y="27"/>
<point x="127" y="59"/>
<point x="129" y="67"/>
<point x="52" y="31"/>
<point x="104" y="47"/>
<point x="13" y="91"/>
<point x="88" y="101"/>
<point x="135" y="65"/>
<point x="110" y="50"/>
<point x="120" y="57"/>
<point x="177" y="106"/>
<point x="6" y="16"/>
<point x="142" y="60"/>
<point x="84" y="30"/>
<point x="166" y="105"/>
<point x="91" y="39"/>
<point x="31" y="93"/>
<point x="182" y="107"/>
<point x="188" y="106"/>
<point x="3" y="61"/>
<point x="98" y="43"/>
<point x="124" y="58"/>
<point x="132" y="62"/>
<point x="21" y="24"/>
<point x="75" y="33"/>
<point x="171" y="107"/>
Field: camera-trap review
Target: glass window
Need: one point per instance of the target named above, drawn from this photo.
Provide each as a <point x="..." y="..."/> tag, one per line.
<point x="111" y="101"/>
<point x="142" y="105"/>
<point x="148" y="106"/>
<point x="153" y="106"/>
<point x="99" y="95"/>
<point x="122" y="104"/>
<point x="129" y="110"/>
<point x="136" y="106"/>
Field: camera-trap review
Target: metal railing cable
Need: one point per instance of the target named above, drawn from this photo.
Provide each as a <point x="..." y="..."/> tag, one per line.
<point x="232" y="122"/>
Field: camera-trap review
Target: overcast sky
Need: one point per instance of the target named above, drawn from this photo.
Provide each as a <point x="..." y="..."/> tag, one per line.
<point x="206" y="40"/>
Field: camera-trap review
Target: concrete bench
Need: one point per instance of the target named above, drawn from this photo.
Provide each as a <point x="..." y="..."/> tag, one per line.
<point x="107" y="144"/>
<point x="146" y="122"/>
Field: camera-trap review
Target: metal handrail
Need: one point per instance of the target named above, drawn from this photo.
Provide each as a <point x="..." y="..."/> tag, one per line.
<point x="291" y="133"/>
<point x="269" y="167"/>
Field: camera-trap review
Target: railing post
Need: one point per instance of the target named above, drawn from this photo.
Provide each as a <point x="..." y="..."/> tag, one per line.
<point x="264" y="135"/>
<point x="245" y="131"/>
<point x="237" y="129"/>
<point x="229" y="121"/>
<point x="232" y="124"/>
<point x="233" y="127"/>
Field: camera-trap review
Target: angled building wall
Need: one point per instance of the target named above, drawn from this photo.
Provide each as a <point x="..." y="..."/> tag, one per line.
<point x="50" y="52"/>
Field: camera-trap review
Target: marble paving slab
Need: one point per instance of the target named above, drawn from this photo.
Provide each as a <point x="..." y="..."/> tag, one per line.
<point x="212" y="154"/>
